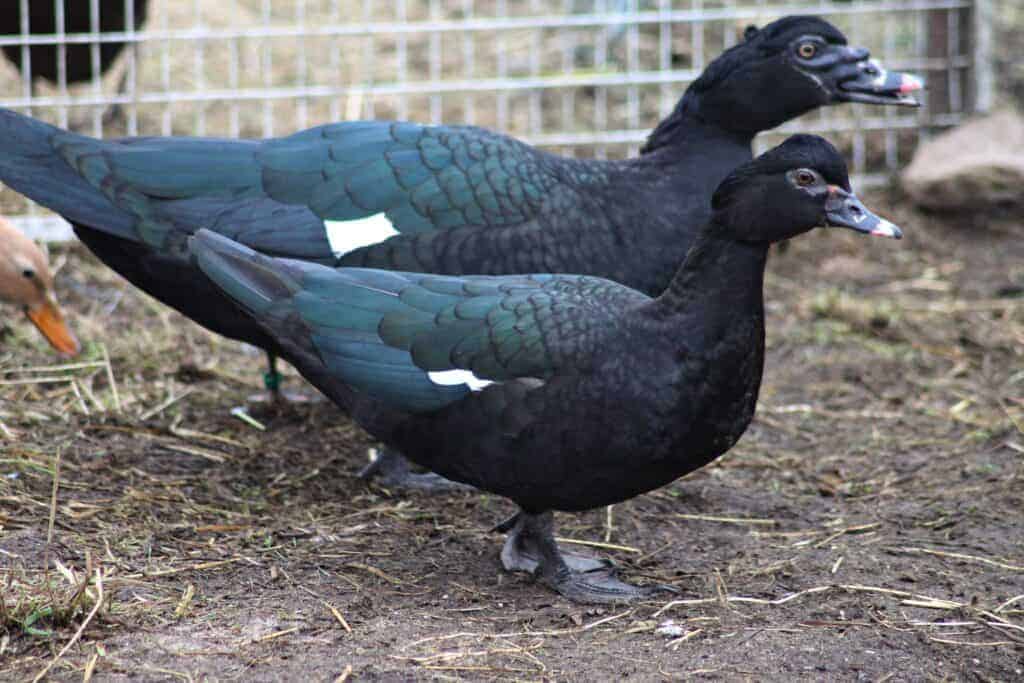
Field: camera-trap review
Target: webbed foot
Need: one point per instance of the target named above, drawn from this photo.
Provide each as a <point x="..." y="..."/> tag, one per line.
<point x="531" y="547"/>
<point x="522" y="551"/>
<point x="391" y="469"/>
<point x="282" y="399"/>
<point x="598" y="586"/>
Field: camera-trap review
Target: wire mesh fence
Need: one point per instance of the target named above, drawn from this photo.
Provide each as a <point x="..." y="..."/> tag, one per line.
<point x="583" y="77"/>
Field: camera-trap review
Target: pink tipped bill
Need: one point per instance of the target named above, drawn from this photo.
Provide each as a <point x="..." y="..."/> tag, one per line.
<point x="910" y="83"/>
<point x="886" y="229"/>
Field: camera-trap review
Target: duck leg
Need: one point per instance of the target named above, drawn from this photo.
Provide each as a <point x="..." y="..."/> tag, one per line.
<point x="272" y="383"/>
<point x="531" y="547"/>
<point x="522" y="552"/>
<point x="272" y="379"/>
<point x="393" y="470"/>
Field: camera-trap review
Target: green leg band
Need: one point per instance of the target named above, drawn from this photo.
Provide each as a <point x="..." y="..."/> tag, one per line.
<point x="272" y="380"/>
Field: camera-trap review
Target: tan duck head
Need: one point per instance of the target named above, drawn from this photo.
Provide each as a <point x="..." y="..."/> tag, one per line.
<point x="26" y="281"/>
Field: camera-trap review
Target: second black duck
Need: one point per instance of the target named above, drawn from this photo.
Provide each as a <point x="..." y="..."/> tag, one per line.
<point x="560" y="392"/>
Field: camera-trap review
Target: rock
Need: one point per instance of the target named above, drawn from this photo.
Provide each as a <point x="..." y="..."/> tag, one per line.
<point x="977" y="165"/>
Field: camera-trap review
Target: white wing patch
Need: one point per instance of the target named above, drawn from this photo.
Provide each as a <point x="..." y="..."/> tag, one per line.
<point x="453" y="377"/>
<point x="346" y="236"/>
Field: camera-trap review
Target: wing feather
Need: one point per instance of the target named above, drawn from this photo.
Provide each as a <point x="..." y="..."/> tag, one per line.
<point x="384" y="332"/>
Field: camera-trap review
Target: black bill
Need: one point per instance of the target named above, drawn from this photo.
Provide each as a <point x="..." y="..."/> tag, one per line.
<point x="843" y="209"/>
<point x="872" y="84"/>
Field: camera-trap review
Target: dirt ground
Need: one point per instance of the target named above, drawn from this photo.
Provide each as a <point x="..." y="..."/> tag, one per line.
<point x="867" y="527"/>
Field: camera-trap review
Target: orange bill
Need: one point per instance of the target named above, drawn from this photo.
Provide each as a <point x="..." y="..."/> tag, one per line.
<point x="50" y="321"/>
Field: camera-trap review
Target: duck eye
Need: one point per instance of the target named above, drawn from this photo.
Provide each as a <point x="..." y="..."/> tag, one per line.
<point x="804" y="178"/>
<point x="29" y="273"/>
<point x="807" y="50"/>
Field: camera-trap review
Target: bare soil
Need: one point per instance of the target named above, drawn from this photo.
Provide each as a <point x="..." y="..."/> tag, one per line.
<point x="867" y="527"/>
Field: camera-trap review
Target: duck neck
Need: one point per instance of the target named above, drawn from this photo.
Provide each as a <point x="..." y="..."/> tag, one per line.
<point x="689" y="123"/>
<point x="721" y="278"/>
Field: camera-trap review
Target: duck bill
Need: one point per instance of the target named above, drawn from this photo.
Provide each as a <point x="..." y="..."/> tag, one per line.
<point x="873" y="84"/>
<point x="50" y="321"/>
<point x="844" y="210"/>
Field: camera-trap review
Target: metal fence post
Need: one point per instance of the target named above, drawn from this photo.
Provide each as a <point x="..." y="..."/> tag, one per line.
<point x="982" y="57"/>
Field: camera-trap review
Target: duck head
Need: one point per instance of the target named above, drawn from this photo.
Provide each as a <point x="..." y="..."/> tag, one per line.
<point x="799" y="185"/>
<point x="781" y="71"/>
<point x="25" y="281"/>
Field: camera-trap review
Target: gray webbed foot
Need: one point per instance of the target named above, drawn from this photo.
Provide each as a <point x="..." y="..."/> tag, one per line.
<point x="599" y="586"/>
<point x="391" y="469"/>
<point x="522" y="551"/>
<point x="281" y="400"/>
<point x="531" y="547"/>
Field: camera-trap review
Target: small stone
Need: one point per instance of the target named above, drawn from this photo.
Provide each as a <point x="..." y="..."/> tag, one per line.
<point x="669" y="629"/>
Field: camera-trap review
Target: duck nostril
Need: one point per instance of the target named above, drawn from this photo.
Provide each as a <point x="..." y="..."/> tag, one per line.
<point x="855" y="210"/>
<point x="871" y="70"/>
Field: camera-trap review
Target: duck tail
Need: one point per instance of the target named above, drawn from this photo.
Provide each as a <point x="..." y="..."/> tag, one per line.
<point x="21" y="137"/>
<point x="257" y="283"/>
<point x="31" y="163"/>
<point x="266" y="288"/>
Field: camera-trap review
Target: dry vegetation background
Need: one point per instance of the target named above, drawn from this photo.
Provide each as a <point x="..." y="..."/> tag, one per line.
<point x="866" y="528"/>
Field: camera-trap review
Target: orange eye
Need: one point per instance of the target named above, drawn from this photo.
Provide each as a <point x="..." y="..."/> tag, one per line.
<point x="804" y="178"/>
<point x="807" y="50"/>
